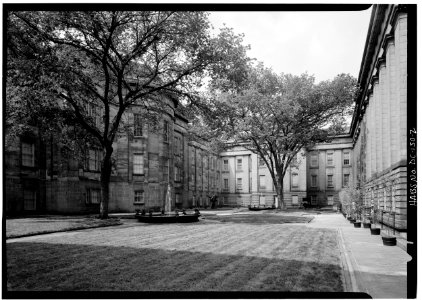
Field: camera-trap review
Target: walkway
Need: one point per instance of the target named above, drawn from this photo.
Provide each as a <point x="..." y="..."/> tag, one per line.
<point x="375" y="269"/>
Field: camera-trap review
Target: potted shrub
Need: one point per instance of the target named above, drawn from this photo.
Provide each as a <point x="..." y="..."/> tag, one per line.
<point x="374" y="229"/>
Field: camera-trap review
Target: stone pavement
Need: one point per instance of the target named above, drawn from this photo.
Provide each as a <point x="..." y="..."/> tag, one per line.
<point x="375" y="269"/>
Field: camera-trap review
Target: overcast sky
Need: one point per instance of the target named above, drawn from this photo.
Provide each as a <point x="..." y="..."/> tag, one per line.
<point x="322" y="44"/>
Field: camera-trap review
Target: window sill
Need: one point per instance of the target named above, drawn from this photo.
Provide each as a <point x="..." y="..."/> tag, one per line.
<point x="330" y="166"/>
<point x="138" y="203"/>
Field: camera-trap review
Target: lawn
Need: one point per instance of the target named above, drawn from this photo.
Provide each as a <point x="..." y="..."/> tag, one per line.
<point x="205" y="256"/>
<point x="256" y="218"/>
<point x="19" y="227"/>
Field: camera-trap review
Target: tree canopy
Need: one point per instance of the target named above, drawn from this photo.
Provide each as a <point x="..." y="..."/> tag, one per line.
<point x="90" y="67"/>
<point x="277" y="115"/>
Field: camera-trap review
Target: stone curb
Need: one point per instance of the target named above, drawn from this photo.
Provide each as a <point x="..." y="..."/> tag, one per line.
<point x="349" y="273"/>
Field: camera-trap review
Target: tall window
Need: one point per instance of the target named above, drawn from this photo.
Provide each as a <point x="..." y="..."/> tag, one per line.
<point x="94" y="112"/>
<point x="226" y="183"/>
<point x="346" y="158"/>
<point x="178" y="199"/>
<point x="262" y="182"/>
<point x="93" y="196"/>
<point x="28" y="157"/>
<point x="94" y="159"/>
<point x="225" y="165"/>
<point x="239" y="164"/>
<point x="295" y="180"/>
<point x="295" y="199"/>
<point x="29" y="200"/>
<point x="239" y="183"/>
<point x="176" y="173"/>
<point x="314" y="160"/>
<point x="314" y="180"/>
<point x="346" y="180"/>
<point x="330" y="181"/>
<point x="139" y="197"/>
<point x="330" y="161"/>
<point x="138" y="164"/>
<point x="176" y="145"/>
<point x="137" y="125"/>
<point x="261" y="162"/>
<point x="313" y="199"/>
<point x="166" y="131"/>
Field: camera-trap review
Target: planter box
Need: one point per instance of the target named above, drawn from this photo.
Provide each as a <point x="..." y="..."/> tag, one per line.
<point x="352" y="221"/>
<point x="375" y="231"/>
<point x="366" y="225"/>
<point x="389" y="241"/>
<point x="357" y="224"/>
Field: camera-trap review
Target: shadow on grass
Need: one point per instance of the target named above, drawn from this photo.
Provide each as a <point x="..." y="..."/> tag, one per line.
<point x="258" y="219"/>
<point x="60" y="267"/>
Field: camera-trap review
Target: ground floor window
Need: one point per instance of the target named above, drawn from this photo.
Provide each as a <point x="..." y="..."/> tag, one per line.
<point x="239" y="183"/>
<point x="330" y="200"/>
<point x="93" y="196"/>
<point x="295" y="199"/>
<point x="139" y="197"/>
<point x="178" y="198"/>
<point x="29" y="200"/>
<point x="313" y="199"/>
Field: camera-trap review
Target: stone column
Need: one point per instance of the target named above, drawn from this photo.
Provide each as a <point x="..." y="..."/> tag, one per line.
<point x="400" y="41"/>
<point x="372" y="133"/>
<point x="368" y="133"/>
<point x="377" y="120"/>
<point x="385" y="116"/>
<point x="393" y="101"/>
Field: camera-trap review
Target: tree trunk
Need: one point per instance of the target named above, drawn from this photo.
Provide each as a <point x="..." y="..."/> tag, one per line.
<point x="280" y="195"/>
<point x="105" y="183"/>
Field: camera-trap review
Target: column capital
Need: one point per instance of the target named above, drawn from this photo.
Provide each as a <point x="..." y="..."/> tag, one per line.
<point x="388" y="40"/>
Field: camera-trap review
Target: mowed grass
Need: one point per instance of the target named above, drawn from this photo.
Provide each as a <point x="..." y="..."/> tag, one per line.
<point x="20" y="227"/>
<point x="184" y="257"/>
<point x="259" y="218"/>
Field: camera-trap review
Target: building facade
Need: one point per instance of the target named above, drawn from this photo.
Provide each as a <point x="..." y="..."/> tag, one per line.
<point x="246" y="180"/>
<point x="379" y="125"/>
<point x="41" y="176"/>
<point x="329" y="170"/>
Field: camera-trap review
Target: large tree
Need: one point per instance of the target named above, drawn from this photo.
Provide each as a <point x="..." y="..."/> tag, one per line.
<point x="277" y="115"/>
<point x="94" y="63"/>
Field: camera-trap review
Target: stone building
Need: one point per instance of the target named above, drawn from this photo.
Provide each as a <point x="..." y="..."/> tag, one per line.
<point x="247" y="181"/>
<point x="379" y="124"/>
<point x="41" y="177"/>
<point x="329" y="169"/>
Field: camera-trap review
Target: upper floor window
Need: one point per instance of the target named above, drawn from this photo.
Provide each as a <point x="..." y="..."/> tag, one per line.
<point x="138" y="164"/>
<point x="314" y="180"/>
<point x="94" y="159"/>
<point x="330" y="161"/>
<point x="314" y="160"/>
<point x="261" y="162"/>
<point x="346" y="178"/>
<point x="295" y="180"/>
<point x="330" y="181"/>
<point x="137" y="125"/>
<point x="226" y="183"/>
<point x="346" y="158"/>
<point x="93" y="112"/>
<point x="239" y="164"/>
<point x="176" y="145"/>
<point x="262" y="182"/>
<point x="225" y="165"/>
<point x="166" y="131"/>
<point x="28" y="154"/>
<point x="176" y="173"/>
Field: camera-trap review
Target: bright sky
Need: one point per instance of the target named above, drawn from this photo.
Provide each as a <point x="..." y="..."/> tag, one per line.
<point x="322" y="44"/>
